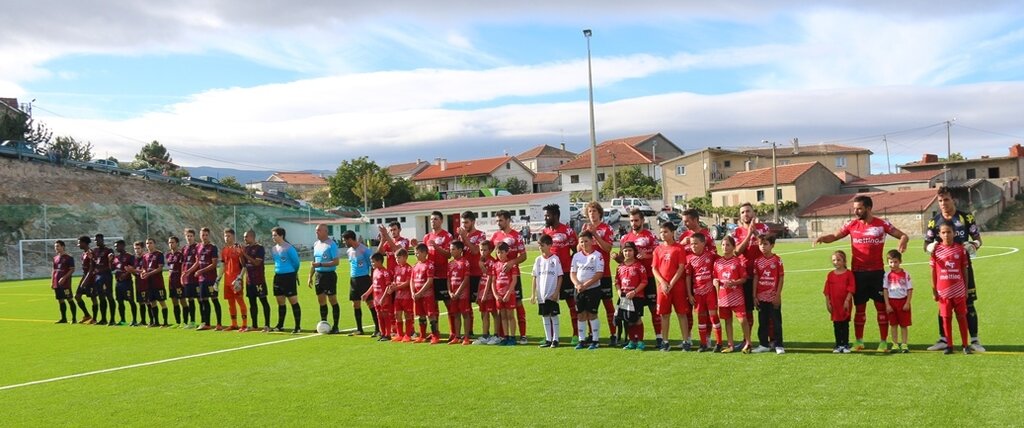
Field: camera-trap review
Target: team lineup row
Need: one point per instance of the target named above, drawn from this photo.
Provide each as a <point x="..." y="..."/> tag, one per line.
<point x="663" y="276"/>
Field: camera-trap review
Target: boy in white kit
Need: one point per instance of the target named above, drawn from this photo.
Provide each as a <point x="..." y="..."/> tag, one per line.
<point x="585" y="272"/>
<point x="547" y="283"/>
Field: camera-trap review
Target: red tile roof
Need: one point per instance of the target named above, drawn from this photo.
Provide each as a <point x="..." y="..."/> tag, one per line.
<point x="465" y="168"/>
<point x="544" y="150"/>
<point x="845" y="176"/>
<point x="403" y="168"/>
<point x="788" y="174"/>
<point x="301" y="178"/>
<point x="464" y="203"/>
<point x="906" y="177"/>
<point x="908" y="201"/>
<point x="808" y="150"/>
<point x="623" y="149"/>
<point x="545" y="177"/>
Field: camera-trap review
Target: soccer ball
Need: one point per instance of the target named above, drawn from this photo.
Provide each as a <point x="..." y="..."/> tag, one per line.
<point x="323" y="327"/>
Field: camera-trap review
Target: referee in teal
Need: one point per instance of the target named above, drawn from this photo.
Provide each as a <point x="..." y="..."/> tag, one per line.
<point x="324" y="276"/>
<point x="359" y="274"/>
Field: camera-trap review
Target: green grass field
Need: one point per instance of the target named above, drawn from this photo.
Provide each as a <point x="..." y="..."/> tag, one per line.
<point x="310" y="380"/>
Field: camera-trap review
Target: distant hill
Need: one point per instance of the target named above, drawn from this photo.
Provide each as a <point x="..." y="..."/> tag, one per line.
<point x="242" y="175"/>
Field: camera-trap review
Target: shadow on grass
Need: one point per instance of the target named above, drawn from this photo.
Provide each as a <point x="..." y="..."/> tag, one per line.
<point x="870" y="348"/>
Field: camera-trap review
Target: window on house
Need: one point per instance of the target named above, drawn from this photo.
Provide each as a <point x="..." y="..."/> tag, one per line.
<point x="727" y="164"/>
<point x="993" y="173"/>
<point x="816" y="226"/>
<point x="971" y="173"/>
<point x="840" y="161"/>
<point x="679" y="198"/>
<point x="725" y="200"/>
<point x="681" y="170"/>
<point x="330" y="229"/>
<point x="778" y="194"/>
<point x="522" y="212"/>
<point x="390" y="219"/>
<point x="483" y="214"/>
<point x="574" y="179"/>
<point x="783" y="162"/>
<point x="402" y="220"/>
<point x="760" y="195"/>
<point x="600" y="176"/>
<point x="508" y="165"/>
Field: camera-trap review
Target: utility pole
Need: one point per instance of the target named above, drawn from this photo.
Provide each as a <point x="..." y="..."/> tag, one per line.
<point x="888" y="166"/>
<point x="593" y="136"/>
<point x="949" y="154"/>
<point x="775" y="183"/>
<point x="615" y="180"/>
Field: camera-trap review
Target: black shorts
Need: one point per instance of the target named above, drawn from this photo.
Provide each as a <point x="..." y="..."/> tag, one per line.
<point x="606" y="287"/>
<point x="972" y="293"/>
<point x="567" y="292"/>
<point x="124" y="291"/>
<point x="192" y="290"/>
<point x="631" y="317"/>
<point x="208" y="289"/>
<point x="174" y="287"/>
<point x="519" y="289"/>
<point x="748" y="296"/>
<point x="157" y="294"/>
<point x="549" y="308"/>
<point x="651" y="292"/>
<point x="441" y="289"/>
<point x="589" y="300"/>
<point x="84" y="289"/>
<point x="142" y="296"/>
<point x="869" y="286"/>
<point x="177" y="292"/>
<point x="255" y="290"/>
<point x="356" y="289"/>
<point x="104" y="284"/>
<point x="284" y="284"/>
<point x="474" y="289"/>
<point x="62" y="293"/>
<point x="325" y="283"/>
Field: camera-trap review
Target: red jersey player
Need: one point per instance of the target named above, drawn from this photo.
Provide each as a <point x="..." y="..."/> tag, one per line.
<point x="516" y="256"/>
<point x="747" y="234"/>
<point x="949" y="266"/>
<point x="401" y="275"/>
<point x="700" y="267"/>
<point x="691" y="220"/>
<point x="768" y="277"/>
<point x="175" y="288"/>
<point x="469" y="235"/>
<point x="60" y="282"/>
<point x="424" y="304"/>
<point x="505" y="294"/>
<point x="839" y="289"/>
<point x="152" y="275"/>
<point x="669" y="267"/>
<point x="380" y="290"/>
<point x="867" y="242"/>
<point x="899" y="292"/>
<point x="391" y="241"/>
<point x="602" y="240"/>
<point x="729" y="276"/>
<point x="631" y="279"/>
<point x="645" y="243"/>
<point x="485" y="299"/>
<point x="458" y="289"/>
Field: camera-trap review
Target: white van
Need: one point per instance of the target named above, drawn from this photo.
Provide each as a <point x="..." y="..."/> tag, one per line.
<point x="625" y="205"/>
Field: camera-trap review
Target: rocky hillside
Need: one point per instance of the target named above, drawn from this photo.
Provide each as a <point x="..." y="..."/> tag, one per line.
<point x="39" y="200"/>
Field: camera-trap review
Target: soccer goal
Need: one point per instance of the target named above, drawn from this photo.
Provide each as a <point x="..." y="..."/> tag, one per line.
<point x="35" y="256"/>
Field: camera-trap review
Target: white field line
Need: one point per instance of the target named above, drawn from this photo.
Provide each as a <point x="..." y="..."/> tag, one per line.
<point x="1011" y="251"/>
<point x="152" y="363"/>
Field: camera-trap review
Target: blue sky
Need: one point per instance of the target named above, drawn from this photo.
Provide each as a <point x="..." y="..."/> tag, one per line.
<point x="307" y="86"/>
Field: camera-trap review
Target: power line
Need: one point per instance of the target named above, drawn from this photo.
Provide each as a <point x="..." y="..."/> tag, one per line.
<point x="960" y="125"/>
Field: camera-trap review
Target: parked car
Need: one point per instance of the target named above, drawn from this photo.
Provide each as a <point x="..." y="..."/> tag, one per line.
<point x="671" y="216"/>
<point x="612" y="216"/>
<point x="780" y="230"/>
<point x="624" y="205"/>
<point x="104" y="163"/>
<point x="149" y="172"/>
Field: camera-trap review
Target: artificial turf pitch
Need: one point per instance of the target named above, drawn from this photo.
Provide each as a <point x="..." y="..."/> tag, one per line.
<point x="78" y="375"/>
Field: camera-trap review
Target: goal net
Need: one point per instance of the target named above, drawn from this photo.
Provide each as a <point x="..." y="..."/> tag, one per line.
<point x="35" y="256"/>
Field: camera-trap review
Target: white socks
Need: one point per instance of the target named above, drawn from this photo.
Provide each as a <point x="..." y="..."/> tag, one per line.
<point x="595" y="329"/>
<point x="554" y="329"/>
<point x="547" y="328"/>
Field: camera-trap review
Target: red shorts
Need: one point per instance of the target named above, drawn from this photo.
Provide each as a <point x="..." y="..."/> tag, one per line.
<point x="675" y="299"/>
<point x="425" y="307"/>
<point x="488" y="306"/>
<point x="402" y="305"/>
<point x="949" y="304"/>
<point x="706" y="302"/>
<point x="898" y="316"/>
<point x="510" y="304"/>
<point x="460" y="305"/>
<point x="385" y="304"/>
<point x="726" y="312"/>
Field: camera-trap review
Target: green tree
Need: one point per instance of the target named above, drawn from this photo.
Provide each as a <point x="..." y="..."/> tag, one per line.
<point x="13" y="125"/>
<point x="371" y="187"/>
<point x="319" y="198"/>
<point x="955" y="156"/>
<point x="178" y="173"/>
<point x="348" y="173"/>
<point x="69" y="148"/>
<point x="631" y="181"/>
<point x="401" y="191"/>
<point x="516" y="186"/>
<point x="232" y="182"/>
<point x="153" y="155"/>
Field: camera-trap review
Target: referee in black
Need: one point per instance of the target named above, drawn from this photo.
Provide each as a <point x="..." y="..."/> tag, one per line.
<point x="964" y="229"/>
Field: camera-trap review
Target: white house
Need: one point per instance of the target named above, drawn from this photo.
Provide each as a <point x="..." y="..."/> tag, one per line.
<point x="466" y="178"/>
<point x="645" y="151"/>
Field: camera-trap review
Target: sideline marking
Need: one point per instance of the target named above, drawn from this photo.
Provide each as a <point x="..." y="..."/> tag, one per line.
<point x="27" y="320"/>
<point x="152" y="363"/>
<point x="1012" y="251"/>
